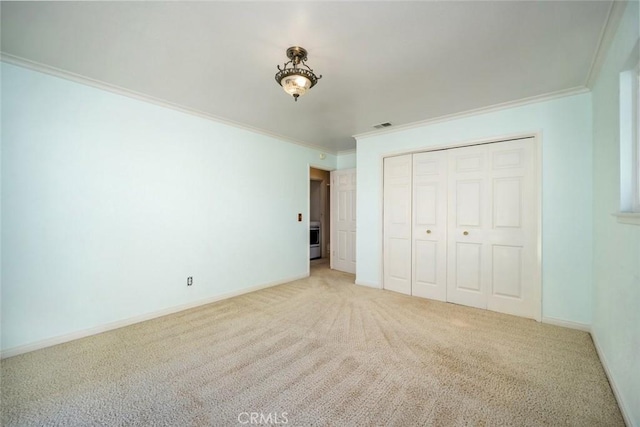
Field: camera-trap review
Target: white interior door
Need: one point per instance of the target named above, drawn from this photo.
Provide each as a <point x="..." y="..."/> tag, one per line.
<point x="512" y="240"/>
<point x="467" y="278"/>
<point x="429" y="230"/>
<point x="343" y="220"/>
<point x="397" y="223"/>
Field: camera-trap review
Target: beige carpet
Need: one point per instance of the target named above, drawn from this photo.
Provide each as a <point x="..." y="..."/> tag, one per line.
<point x="319" y="351"/>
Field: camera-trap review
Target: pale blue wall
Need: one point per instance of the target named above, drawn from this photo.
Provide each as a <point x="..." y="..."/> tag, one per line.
<point x="565" y="128"/>
<point x="346" y="161"/>
<point x="109" y="203"/>
<point x="616" y="319"/>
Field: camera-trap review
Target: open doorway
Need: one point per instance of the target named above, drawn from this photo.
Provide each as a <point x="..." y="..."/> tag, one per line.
<point x="319" y="209"/>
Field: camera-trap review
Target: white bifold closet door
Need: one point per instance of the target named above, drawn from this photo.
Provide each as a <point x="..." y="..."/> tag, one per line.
<point x="429" y="231"/>
<point x="397" y="224"/>
<point x="471" y="217"/>
<point x="492" y="236"/>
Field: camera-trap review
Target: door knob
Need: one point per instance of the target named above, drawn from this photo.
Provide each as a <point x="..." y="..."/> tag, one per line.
<point x="466" y="233"/>
<point x="428" y="231"/>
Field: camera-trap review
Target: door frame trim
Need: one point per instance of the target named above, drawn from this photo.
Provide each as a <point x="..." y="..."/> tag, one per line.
<point x="537" y="170"/>
<point x="306" y="221"/>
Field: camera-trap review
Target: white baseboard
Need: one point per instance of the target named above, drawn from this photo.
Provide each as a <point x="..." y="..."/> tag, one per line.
<point x="616" y="391"/>
<point x="369" y="285"/>
<point x="567" y="324"/>
<point x="15" y="351"/>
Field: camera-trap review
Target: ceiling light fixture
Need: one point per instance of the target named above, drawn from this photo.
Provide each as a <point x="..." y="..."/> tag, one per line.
<point x="296" y="81"/>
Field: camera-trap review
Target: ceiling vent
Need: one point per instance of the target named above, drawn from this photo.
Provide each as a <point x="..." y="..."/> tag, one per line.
<point x="382" y="125"/>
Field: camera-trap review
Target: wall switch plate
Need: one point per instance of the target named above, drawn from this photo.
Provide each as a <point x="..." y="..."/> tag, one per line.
<point x="299" y="217"/>
<point x="189" y="280"/>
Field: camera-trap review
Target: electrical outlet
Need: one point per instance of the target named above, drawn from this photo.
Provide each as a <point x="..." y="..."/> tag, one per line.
<point x="189" y="280"/>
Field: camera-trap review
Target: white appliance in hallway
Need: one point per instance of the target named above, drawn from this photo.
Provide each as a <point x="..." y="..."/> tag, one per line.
<point x="314" y="240"/>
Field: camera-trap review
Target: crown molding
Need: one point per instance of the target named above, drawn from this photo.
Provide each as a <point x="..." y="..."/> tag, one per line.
<point x="98" y="84"/>
<point x="483" y="110"/>
<point x="607" y="34"/>
<point x="346" y="152"/>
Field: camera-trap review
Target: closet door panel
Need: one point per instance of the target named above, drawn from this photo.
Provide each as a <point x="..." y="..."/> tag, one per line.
<point x="469" y="199"/>
<point x="397" y="224"/>
<point x="506" y="279"/>
<point x="514" y="281"/>
<point x="468" y="267"/>
<point x="468" y="260"/>
<point x="507" y="202"/>
<point x="398" y="271"/>
<point x="429" y="228"/>
<point x="426" y="203"/>
<point x="426" y="269"/>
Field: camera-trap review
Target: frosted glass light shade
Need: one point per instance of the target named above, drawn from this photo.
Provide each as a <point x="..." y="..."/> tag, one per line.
<point x="295" y="85"/>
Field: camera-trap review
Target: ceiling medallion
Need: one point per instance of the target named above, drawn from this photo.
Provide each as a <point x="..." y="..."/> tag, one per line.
<point x="296" y="81"/>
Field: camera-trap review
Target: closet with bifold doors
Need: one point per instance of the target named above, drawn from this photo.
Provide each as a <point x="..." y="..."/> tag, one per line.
<point x="462" y="225"/>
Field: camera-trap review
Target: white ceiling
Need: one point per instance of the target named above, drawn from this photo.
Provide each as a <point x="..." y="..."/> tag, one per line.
<point x="393" y="61"/>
